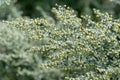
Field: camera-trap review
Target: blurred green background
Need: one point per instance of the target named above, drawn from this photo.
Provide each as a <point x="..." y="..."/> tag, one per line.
<point x="42" y="8"/>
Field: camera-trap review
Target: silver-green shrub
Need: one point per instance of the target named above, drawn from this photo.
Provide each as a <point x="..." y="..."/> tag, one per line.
<point x="13" y="53"/>
<point x="83" y="48"/>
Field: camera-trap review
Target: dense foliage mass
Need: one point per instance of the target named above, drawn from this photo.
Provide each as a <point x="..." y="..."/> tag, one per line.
<point x="66" y="47"/>
<point x="70" y="48"/>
